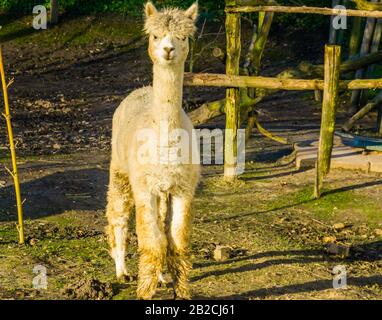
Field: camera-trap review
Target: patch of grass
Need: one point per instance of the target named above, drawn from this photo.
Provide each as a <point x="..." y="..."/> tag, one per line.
<point x="8" y="233"/>
<point x="72" y="31"/>
<point x="333" y="205"/>
<point x="12" y="29"/>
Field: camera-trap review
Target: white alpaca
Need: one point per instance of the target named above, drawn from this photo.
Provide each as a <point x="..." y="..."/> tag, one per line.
<point x="161" y="191"/>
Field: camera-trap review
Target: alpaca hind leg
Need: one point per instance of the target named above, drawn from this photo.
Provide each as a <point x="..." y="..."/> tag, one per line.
<point x="152" y="245"/>
<point x="178" y="232"/>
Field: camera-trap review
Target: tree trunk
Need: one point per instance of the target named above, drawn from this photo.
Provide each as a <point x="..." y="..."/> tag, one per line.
<point x="53" y="12"/>
<point x="355" y="37"/>
<point x="333" y="31"/>
<point x="374" y="46"/>
<point x="365" y="49"/>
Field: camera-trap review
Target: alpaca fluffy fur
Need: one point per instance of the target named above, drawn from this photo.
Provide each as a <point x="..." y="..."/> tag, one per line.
<point x="161" y="193"/>
<point x="170" y="20"/>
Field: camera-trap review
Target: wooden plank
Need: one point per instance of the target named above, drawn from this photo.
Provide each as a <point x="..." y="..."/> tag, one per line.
<point x="328" y="119"/>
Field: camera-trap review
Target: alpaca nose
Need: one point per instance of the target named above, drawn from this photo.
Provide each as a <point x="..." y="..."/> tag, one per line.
<point x="169" y="49"/>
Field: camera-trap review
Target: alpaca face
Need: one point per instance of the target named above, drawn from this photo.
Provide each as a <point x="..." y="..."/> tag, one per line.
<point x="169" y="31"/>
<point x="168" y="50"/>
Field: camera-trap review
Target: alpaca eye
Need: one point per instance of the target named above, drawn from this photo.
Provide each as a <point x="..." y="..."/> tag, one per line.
<point x="155" y="37"/>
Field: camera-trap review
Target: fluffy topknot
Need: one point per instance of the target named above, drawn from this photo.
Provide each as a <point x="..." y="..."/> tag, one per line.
<point x="180" y="23"/>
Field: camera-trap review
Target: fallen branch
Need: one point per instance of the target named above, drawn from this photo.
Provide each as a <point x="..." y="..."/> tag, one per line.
<point x="377" y="101"/>
<point x="267" y="133"/>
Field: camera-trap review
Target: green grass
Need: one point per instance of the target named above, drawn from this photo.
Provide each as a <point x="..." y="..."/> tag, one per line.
<point x="209" y="9"/>
<point x="85" y="7"/>
<point x="332" y="205"/>
<point x="72" y="32"/>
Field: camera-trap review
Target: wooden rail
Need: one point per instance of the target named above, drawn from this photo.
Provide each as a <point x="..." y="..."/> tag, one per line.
<point x="306" y="10"/>
<point x="232" y="81"/>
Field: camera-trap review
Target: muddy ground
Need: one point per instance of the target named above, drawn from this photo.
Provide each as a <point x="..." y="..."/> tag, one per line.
<point x="69" y="80"/>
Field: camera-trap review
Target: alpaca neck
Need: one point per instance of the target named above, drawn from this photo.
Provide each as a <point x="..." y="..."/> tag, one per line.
<point x="168" y="94"/>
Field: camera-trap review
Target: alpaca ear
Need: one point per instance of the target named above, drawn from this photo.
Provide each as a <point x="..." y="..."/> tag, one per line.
<point x="150" y="9"/>
<point x="192" y="12"/>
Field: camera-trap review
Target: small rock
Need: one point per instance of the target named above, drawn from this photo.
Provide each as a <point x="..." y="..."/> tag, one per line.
<point x="33" y="241"/>
<point x="329" y="239"/>
<point x="222" y="253"/>
<point x="338" y="250"/>
<point x="338" y="226"/>
<point x="378" y="232"/>
<point x="281" y="220"/>
<point x="56" y="146"/>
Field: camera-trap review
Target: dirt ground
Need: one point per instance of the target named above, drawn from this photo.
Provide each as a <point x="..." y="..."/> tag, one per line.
<point x="70" y="79"/>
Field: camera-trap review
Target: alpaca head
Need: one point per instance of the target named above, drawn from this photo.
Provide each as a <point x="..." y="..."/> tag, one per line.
<point x="169" y="31"/>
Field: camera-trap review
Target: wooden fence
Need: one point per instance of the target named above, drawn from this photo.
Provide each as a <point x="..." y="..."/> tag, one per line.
<point x="330" y="85"/>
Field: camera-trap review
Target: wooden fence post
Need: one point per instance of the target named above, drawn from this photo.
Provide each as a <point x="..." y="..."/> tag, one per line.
<point x="328" y="119"/>
<point x="233" y="33"/>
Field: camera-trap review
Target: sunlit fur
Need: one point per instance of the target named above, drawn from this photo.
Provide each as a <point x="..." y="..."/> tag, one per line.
<point x="161" y="193"/>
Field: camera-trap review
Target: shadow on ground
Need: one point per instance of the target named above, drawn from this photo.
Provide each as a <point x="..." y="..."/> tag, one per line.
<point x="311" y="286"/>
<point x="369" y="253"/>
<point x="56" y="193"/>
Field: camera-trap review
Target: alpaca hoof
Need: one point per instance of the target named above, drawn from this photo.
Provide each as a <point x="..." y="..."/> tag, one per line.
<point x="164" y="281"/>
<point x="144" y="296"/>
<point x="126" y="278"/>
<point x="182" y="295"/>
<point x="146" y="292"/>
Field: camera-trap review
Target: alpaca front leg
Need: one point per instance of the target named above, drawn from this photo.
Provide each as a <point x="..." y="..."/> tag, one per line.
<point x="178" y="235"/>
<point x="118" y="211"/>
<point x="152" y="245"/>
<point x="118" y="228"/>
